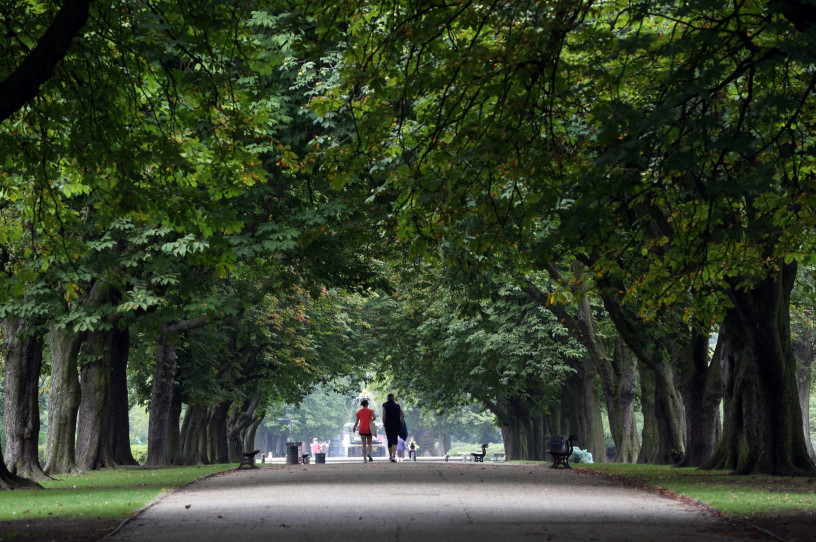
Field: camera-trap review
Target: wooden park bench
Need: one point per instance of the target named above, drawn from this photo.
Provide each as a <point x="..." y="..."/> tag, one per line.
<point x="497" y="456"/>
<point x="560" y="449"/>
<point x="247" y="458"/>
<point x="478" y="457"/>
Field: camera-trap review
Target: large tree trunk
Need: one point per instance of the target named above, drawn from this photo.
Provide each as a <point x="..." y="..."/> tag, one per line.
<point x="572" y="409"/>
<point x="162" y="445"/>
<point x="174" y="427"/>
<point x="644" y="340"/>
<point x="762" y="425"/>
<point x="160" y="402"/>
<point x="699" y="383"/>
<point x="621" y="405"/>
<point x="119" y="433"/>
<point x="592" y="438"/>
<point x="663" y="421"/>
<point x="242" y="423"/>
<point x="249" y="439"/>
<point x="217" y="443"/>
<point x="518" y="435"/>
<point x="670" y="414"/>
<point x="12" y="481"/>
<point x="443" y="442"/>
<point x="22" y="410"/>
<point x="650" y="450"/>
<point x="93" y="435"/>
<point x="803" y="350"/>
<point x="241" y="418"/>
<point x="192" y="442"/>
<point x="63" y="401"/>
<point x="584" y="329"/>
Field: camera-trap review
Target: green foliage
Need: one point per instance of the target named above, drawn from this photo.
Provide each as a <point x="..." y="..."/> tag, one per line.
<point x="668" y="145"/>
<point x="139" y="452"/>
<point x="452" y="353"/>
<point x="138" y="421"/>
<point x="320" y="414"/>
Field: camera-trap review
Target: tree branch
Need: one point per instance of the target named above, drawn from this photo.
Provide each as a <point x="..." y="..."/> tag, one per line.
<point x="24" y="83"/>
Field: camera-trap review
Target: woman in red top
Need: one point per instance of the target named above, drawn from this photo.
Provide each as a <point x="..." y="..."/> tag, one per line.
<point x="365" y="417"/>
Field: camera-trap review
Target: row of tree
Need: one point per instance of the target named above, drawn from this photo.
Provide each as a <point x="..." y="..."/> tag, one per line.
<point x="157" y="220"/>
<point x="655" y="156"/>
<point x="607" y="185"/>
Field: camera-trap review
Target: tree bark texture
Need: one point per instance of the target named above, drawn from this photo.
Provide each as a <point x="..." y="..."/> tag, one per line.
<point x="160" y="401"/>
<point x="12" y="481"/>
<point x="119" y="433"/>
<point x="621" y="404"/>
<point x="669" y="413"/>
<point x="593" y="437"/>
<point x="762" y="425"/>
<point x="249" y="438"/>
<point x="21" y="388"/>
<point x="700" y="385"/>
<point x="163" y="426"/>
<point x="803" y="350"/>
<point x="218" y="444"/>
<point x="523" y="428"/>
<point x="650" y="449"/>
<point x="24" y="83"/>
<point x="63" y="401"/>
<point x="584" y="329"/>
<point x="444" y="441"/>
<point x="572" y="411"/>
<point x="192" y="441"/>
<point x="173" y="427"/>
<point x="240" y="418"/>
<point x="93" y="430"/>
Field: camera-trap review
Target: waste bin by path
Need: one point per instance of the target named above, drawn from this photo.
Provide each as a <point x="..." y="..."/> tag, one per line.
<point x="292" y="453"/>
<point x="320" y="457"/>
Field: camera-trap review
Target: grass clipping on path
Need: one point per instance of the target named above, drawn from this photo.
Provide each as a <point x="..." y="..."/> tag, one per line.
<point x="737" y="496"/>
<point x="101" y="494"/>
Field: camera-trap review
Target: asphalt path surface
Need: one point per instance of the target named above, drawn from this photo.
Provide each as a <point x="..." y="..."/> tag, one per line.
<point x="418" y="501"/>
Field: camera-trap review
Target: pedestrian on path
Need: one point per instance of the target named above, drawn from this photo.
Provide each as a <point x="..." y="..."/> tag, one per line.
<point x="412" y="448"/>
<point x="365" y="418"/>
<point x="393" y="417"/>
<point x="401" y="447"/>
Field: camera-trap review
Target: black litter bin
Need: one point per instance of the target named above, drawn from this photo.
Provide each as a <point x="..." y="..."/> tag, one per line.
<point x="292" y="453"/>
<point x="556" y="443"/>
<point x="320" y="457"/>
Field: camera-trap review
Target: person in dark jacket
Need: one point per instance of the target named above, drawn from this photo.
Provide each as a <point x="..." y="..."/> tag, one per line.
<point x="393" y="418"/>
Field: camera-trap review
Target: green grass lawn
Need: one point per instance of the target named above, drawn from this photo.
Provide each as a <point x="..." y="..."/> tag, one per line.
<point x="738" y="496"/>
<point x="98" y="494"/>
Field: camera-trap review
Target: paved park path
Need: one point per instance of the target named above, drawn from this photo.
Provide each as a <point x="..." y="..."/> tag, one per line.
<point x="420" y="501"/>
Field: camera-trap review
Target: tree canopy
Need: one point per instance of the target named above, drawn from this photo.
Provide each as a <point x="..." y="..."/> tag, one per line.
<point x="538" y="207"/>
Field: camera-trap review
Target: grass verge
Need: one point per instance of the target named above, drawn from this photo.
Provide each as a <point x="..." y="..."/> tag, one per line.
<point x="95" y="495"/>
<point x="743" y="497"/>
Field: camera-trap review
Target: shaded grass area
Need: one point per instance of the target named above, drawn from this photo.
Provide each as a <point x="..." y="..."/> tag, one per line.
<point x="745" y="497"/>
<point x="97" y="495"/>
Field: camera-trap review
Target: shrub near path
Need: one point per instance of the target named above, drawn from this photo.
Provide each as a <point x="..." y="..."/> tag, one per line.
<point x="87" y="506"/>
<point x="782" y="506"/>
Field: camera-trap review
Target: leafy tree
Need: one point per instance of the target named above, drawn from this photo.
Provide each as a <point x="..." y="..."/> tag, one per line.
<point x="506" y="354"/>
<point x="626" y="128"/>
